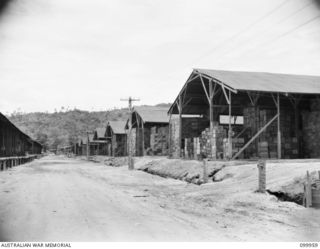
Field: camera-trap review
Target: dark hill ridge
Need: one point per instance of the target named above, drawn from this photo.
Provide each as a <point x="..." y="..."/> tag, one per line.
<point x="65" y="127"/>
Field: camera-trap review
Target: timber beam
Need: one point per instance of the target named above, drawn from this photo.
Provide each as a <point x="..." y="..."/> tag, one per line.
<point x="255" y="137"/>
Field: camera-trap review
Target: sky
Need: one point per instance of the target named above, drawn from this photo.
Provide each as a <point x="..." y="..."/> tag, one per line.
<point x="89" y="54"/>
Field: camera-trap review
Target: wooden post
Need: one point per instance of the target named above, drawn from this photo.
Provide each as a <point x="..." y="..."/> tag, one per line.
<point x="307" y="191"/>
<point x="212" y="139"/>
<point x="170" y="136"/>
<point x="180" y="126"/>
<point x="262" y="176"/>
<point x="205" y="171"/>
<point x="138" y="137"/>
<point x="254" y="137"/>
<point x="279" y="131"/>
<point x="130" y="159"/>
<point x="143" y="145"/>
<point x="230" y="129"/>
<point x="114" y="144"/>
<point x="88" y="146"/>
<point x="195" y="148"/>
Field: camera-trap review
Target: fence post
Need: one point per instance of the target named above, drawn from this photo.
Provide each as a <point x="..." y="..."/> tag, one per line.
<point x="205" y="171"/>
<point x="308" y="198"/>
<point x="262" y="176"/>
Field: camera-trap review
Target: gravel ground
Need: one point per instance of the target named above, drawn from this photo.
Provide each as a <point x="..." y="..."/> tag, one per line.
<point x="66" y="199"/>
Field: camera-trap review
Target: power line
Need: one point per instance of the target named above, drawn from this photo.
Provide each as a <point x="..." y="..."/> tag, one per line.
<point x="298" y="27"/>
<point x="288" y="32"/>
<point x="242" y="31"/>
<point x="277" y="23"/>
<point x="236" y="35"/>
<point x="262" y="18"/>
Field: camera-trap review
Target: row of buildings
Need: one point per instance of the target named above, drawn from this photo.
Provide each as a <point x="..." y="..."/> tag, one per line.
<point x="223" y="115"/>
<point x="15" y="143"/>
<point x="149" y="135"/>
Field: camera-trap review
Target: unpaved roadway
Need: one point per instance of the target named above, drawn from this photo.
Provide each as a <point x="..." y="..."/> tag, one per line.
<point x="62" y="199"/>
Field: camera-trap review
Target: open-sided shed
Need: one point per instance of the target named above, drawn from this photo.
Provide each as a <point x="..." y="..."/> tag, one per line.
<point x="246" y="115"/>
<point x="150" y="131"/>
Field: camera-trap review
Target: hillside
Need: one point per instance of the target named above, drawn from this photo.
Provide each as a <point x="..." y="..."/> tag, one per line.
<point x="64" y="127"/>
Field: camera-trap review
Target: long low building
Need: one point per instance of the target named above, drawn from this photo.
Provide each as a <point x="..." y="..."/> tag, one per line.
<point x="231" y="114"/>
<point x="14" y="142"/>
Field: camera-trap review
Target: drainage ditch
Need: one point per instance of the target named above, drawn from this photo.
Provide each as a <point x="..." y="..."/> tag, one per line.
<point x="282" y="196"/>
<point x="194" y="179"/>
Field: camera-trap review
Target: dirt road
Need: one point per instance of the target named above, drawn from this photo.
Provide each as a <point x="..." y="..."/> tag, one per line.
<point x="61" y="199"/>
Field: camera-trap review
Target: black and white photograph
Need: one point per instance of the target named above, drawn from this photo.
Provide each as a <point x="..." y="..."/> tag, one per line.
<point x="159" y="121"/>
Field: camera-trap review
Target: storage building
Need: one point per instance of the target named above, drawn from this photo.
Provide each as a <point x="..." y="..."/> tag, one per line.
<point x="117" y="138"/>
<point x="232" y="114"/>
<point x="14" y="142"/>
<point x="150" y="128"/>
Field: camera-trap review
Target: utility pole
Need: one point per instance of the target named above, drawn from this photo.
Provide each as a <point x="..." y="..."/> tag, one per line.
<point x="130" y="159"/>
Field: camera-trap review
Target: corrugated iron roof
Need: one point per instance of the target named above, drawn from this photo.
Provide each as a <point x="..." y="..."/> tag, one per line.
<point x="153" y="114"/>
<point x="118" y="127"/>
<point x="3" y="118"/>
<point x="266" y="82"/>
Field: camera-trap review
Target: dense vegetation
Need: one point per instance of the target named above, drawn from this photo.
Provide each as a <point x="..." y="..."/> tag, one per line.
<point x="64" y="127"/>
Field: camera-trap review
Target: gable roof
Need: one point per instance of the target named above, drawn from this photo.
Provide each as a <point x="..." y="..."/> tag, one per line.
<point x="118" y="127"/>
<point x="80" y="141"/>
<point x="101" y="131"/>
<point x="5" y="120"/>
<point x="265" y="82"/>
<point x="153" y="114"/>
<point x="84" y="140"/>
<point x="91" y="137"/>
